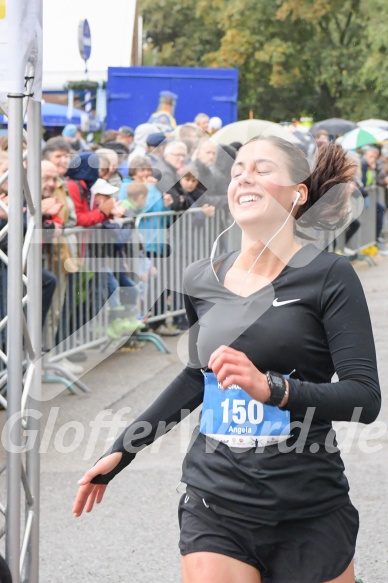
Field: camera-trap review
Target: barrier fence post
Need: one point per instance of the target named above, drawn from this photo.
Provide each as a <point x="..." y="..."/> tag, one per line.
<point x="34" y="322"/>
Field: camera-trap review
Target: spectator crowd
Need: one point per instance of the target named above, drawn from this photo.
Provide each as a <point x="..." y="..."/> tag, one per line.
<point x="107" y="185"/>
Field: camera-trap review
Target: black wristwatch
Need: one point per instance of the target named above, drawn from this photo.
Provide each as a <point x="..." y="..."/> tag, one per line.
<point x="277" y="386"/>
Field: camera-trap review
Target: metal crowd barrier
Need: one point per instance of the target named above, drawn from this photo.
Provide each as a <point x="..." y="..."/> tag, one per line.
<point x="366" y="234"/>
<point x="76" y="319"/>
<point x="171" y="242"/>
<point x="154" y="253"/>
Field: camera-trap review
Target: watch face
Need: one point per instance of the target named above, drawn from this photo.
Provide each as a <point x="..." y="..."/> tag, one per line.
<point x="278" y="381"/>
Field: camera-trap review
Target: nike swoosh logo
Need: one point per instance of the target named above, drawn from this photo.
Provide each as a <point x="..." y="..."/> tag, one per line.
<point x="276" y="303"/>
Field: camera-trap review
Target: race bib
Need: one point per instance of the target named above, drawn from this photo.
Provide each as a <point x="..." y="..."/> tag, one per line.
<point x="233" y="417"/>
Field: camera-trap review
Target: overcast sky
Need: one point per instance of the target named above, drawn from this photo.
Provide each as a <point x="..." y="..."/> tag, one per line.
<point x="111" y="31"/>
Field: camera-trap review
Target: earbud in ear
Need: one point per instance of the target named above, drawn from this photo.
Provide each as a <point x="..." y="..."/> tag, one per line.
<point x="296" y="200"/>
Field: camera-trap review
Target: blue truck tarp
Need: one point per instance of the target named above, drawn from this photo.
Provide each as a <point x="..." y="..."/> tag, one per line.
<point x="133" y="93"/>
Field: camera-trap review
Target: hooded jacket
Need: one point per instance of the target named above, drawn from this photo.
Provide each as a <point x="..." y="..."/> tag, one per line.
<point x="82" y="174"/>
<point x="140" y="140"/>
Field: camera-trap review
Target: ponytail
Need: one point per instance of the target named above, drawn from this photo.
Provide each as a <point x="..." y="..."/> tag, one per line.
<point x="327" y="182"/>
<point x="328" y="185"/>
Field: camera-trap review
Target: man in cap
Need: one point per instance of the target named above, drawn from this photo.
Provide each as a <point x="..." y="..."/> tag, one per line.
<point x="100" y="191"/>
<point x="163" y="117"/>
<point x="155" y="147"/>
<point x="72" y="134"/>
<point x="125" y="135"/>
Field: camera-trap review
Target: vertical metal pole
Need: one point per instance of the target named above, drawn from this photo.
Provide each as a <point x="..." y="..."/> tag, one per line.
<point x="88" y="109"/>
<point x="137" y="41"/>
<point x="34" y="321"/>
<point x="14" y="329"/>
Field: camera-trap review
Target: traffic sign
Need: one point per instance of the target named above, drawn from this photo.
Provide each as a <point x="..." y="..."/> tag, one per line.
<point x="84" y="39"/>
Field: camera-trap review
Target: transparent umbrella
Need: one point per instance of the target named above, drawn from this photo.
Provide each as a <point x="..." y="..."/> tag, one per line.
<point x="374" y="123"/>
<point x="242" y="131"/>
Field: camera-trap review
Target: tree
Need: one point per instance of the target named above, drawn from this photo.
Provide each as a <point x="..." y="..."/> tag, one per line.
<point x="295" y="57"/>
<point x="374" y="74"/>
<point x="306" y="55"/>
<point x="176" y="35"/>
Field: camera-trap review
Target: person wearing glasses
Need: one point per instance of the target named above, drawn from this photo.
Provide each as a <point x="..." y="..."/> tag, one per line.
<point x="166" y="169"/>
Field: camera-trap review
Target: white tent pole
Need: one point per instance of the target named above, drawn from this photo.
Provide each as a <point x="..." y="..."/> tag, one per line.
<point x="14" y="329"/>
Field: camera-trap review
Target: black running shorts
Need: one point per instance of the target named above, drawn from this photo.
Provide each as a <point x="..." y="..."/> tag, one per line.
<point x="312" y="550"/>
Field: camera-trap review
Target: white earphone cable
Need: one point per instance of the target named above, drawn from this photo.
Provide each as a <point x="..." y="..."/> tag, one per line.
<point x="268" y="242"/>
<point x="213" y="252"/>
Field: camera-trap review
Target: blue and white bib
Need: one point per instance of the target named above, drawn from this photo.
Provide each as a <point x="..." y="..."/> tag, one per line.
<point x="233" y="417"/>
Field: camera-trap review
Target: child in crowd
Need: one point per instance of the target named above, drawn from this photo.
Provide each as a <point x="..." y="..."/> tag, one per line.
<point x="123" y="291"/>
<point x="135" y="204"/>
<point x="187" y="193"/>
<point x="139" y="195"/>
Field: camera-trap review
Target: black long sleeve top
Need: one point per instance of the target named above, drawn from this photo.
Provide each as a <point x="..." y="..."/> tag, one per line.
<point x="325" y="329"/>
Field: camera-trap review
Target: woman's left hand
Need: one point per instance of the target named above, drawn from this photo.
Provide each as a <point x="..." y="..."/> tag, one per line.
<point x="89" y="493"/>
<point x="233" y="367"/>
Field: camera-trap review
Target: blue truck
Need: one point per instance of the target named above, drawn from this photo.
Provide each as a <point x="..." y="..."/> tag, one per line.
<point x="133" y="93"/>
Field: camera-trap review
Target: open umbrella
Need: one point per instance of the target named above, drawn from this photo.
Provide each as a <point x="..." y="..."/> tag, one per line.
<point x="374" y="123"/>
<point x="335" y="126"/>
<point x="242" y="131"/>
<point x="362" y="137"/>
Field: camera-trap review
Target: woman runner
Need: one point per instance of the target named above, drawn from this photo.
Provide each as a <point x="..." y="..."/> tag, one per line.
<point x="267" y="498"/>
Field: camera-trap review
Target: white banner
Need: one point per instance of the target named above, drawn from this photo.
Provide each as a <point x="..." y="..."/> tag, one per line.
<point x="20" y="42"/>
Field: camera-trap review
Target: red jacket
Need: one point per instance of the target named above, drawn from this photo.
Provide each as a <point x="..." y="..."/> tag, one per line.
<point x="85" y="216"/>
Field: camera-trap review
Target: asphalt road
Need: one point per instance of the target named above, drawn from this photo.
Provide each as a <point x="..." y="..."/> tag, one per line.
<point x="132" y="536"/>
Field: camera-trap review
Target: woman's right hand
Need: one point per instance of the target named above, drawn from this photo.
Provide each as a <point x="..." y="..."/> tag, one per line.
<point x="89" y="493"/>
